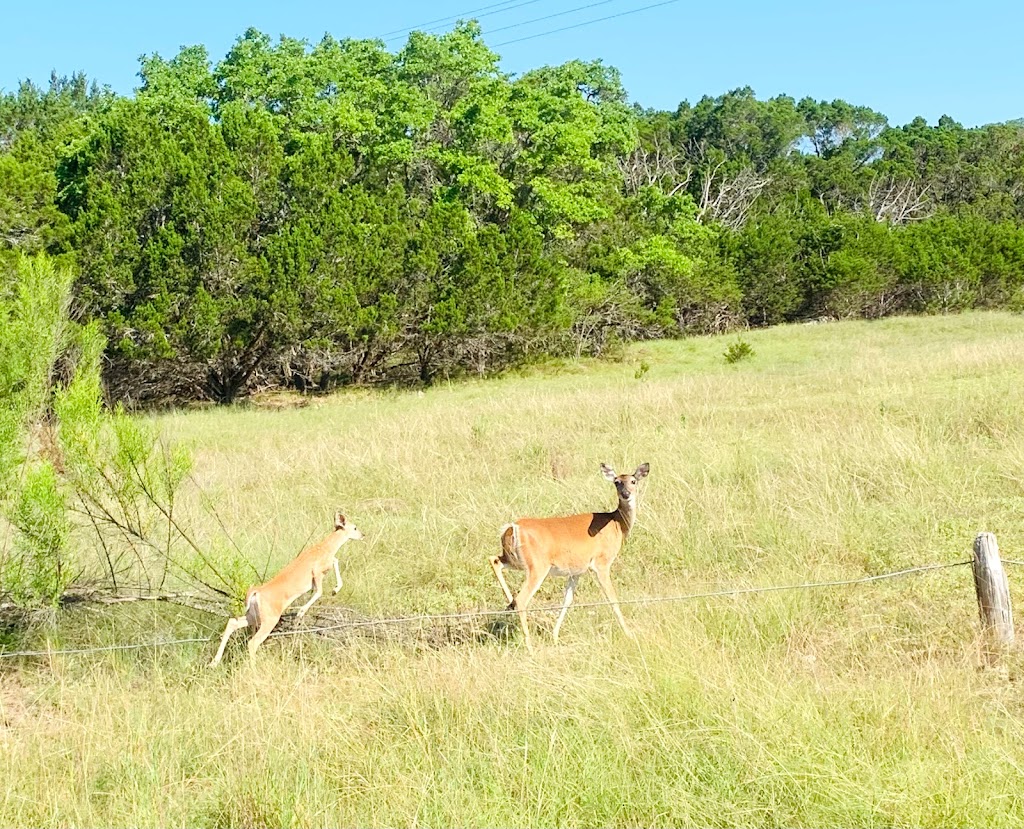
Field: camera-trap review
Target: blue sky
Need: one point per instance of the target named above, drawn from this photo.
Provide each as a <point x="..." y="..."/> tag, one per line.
<point x="901" y="58"/>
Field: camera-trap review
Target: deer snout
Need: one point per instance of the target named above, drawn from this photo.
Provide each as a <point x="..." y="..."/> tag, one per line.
<point x="357" y="534"/>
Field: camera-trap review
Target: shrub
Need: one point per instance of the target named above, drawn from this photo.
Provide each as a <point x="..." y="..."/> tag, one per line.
<point x="739" y="350"/>
<point x="62" y="455"/>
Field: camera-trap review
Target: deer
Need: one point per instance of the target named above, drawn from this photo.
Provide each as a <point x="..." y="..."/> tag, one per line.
<point x="568" y="546"/>
<point x="266" y="603"/>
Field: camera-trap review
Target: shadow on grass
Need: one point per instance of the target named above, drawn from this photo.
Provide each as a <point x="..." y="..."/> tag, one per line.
<point x="344" y="624"/>
<point x="91" y="620"/>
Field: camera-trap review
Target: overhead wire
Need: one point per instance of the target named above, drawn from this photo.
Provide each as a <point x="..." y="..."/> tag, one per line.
<point x="510" y="3"/>
<point x="506" y="7"/>
<point x="430" y="25"/>
<point x="586" y="23"/>
<point x="550" y="16"/>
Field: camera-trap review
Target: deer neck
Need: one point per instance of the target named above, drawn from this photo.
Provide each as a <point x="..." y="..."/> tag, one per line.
<point x="625" y="515"/>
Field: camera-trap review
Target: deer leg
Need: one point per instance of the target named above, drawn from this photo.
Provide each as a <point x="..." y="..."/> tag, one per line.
<point x="267" y="625"/>
<point x="337" y="576"/>
<point x="604" y="578"/>
<point x="233" y="624"/>
<point x="317" y="593"/>
<point x="498" y="567"/>
<point x="570" y="593"/>
<point x="522" y="601"/>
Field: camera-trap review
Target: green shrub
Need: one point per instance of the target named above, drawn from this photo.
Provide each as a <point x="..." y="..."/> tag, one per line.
<point x="739" y="350"/>
<point x="62" y="455"/>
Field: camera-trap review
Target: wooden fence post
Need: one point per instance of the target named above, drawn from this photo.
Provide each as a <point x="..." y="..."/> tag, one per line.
<point x="993" y="591"/>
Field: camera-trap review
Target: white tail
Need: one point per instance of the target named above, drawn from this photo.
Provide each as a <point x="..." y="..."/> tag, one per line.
<point x="266" y="603"/>
<point x="568" y="546"/>
<point x="252" y="608"/>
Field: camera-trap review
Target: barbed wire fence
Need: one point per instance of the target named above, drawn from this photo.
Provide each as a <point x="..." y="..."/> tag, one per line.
<point x="438" y="619"/>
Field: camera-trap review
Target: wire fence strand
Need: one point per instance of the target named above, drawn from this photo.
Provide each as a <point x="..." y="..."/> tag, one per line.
<point x="473" y="614"/>
<point x="160" y="643"/>
<point x="736" y="591"/>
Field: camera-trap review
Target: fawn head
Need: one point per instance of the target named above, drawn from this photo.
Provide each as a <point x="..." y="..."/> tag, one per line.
<point x="351" y="530"/>
<point x="625" y="485"/>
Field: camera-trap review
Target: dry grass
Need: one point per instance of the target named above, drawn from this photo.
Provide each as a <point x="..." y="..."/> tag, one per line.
<point x="835" y="451"/>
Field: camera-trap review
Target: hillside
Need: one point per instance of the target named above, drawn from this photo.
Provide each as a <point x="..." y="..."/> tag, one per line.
<point x="833" y="451"/>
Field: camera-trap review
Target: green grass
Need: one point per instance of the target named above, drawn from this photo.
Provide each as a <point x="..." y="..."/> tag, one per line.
<point x="831" y="451"/>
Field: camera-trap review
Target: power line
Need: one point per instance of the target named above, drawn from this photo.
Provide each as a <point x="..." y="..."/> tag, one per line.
<point x="586" y="23"/>
<point x="549" y="16"/>
<point x="472" y="614"/>
<point x="387" y="36"/>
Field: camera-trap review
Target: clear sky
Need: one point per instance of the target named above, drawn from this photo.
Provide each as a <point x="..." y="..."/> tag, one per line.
<point x="901" y="57"/>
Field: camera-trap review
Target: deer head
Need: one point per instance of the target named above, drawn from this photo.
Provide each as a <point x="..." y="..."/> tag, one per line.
<point x="625" y="485"/>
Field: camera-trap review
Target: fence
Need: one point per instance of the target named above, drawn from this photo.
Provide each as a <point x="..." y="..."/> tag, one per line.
<point x="990" y="581"/>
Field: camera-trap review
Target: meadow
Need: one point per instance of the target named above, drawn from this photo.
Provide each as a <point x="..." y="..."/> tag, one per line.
<point x="832" y="451"/>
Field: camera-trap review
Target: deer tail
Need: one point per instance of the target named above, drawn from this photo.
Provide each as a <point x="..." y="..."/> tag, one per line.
<point x="511" y="549"/>
<point x="252" y="608"/>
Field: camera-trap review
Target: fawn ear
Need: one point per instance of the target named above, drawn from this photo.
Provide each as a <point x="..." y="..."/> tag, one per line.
<point x="339" y="521"/>
<point x="642" y="470"/>
<point x="608" y="472"/>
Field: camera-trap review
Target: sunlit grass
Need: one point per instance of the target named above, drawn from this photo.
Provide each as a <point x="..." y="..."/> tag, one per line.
<point x="834" y="451"/>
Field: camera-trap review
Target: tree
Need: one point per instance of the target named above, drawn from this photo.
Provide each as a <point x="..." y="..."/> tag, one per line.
<point x="845" y="139"/>
<point x="34" y="126"/>
<point x="311" y="214"/>
<point x="571" y="125"/>
<point x="67" y="466"/>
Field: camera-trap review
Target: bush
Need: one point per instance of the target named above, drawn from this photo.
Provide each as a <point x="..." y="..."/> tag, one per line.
<point x="739" y="350"/>
<point x="61" y="454"/>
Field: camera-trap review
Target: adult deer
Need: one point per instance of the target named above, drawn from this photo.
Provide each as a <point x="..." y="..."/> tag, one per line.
<point x="569" y="546"/>
<point x="266" y="603"/>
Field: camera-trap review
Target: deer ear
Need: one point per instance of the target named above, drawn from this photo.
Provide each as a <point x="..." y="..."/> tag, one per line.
<point x="642" y="470"/>
<point x="339" y="521"/>
<point x="608" y="472"/>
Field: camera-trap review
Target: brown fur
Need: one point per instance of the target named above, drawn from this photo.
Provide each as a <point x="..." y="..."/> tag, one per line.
<point x="266" y="603"/>
<point x="568" y="546"/>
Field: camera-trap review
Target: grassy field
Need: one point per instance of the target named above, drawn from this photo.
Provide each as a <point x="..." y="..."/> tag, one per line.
<point x="835" y="451"/>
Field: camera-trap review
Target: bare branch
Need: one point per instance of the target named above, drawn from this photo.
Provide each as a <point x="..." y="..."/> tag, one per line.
<point x="899" y="202"/>
<point x="727" y="199"/>
<point x="658" y="165"/>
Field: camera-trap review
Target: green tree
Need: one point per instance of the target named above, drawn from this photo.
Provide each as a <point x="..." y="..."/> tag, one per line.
<point x="845" y="139"/>
<point x="62" y="456"/>
<point x="34" y="127"/>
<point x="314" y="214"/>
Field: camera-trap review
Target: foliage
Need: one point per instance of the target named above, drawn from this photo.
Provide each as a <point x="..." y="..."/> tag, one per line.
<point x="62" y="456"/>
<point x="33" y="333"/>
<point x="309" y="215"/>
<point x="738" y="350"/>
<point x="34" y="126"/>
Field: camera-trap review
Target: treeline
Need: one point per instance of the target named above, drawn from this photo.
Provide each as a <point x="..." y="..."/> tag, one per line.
<point x="309" y="216"/>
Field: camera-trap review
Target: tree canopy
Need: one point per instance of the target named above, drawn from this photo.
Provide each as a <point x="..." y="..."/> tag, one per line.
<point x="308" y="215"/>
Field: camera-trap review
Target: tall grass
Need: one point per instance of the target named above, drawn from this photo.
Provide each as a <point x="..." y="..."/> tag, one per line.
<point x="833" y="451"/>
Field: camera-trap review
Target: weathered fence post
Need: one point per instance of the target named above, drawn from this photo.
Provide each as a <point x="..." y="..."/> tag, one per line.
<point x="993" y="591"/>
